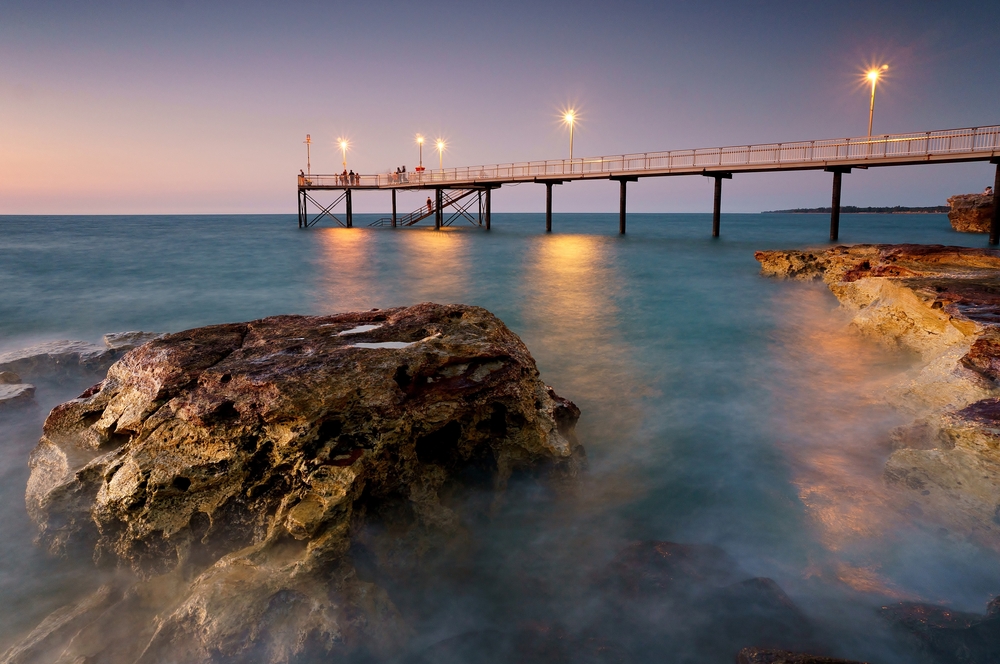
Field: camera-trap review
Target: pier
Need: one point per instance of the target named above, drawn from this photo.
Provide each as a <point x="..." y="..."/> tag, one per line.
<point x="459" y="188"/>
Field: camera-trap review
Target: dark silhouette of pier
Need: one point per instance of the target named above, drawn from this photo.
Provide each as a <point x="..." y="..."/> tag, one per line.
<point x="836" y="156"/>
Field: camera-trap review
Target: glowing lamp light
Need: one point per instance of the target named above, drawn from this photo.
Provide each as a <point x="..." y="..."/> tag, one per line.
<point x="569" y="117"/>
<point x="441" y="145"/>
<point x="873" y="75"/>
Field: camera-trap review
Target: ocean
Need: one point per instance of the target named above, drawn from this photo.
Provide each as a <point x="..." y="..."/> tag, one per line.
<point x="719" y="407"/>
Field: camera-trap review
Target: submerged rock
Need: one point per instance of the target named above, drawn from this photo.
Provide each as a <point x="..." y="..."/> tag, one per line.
<point x="944" y="304"/>
<point x="763" y="656"/>
<point x="693" y="599"/>
<point x="232" y="466"/>
<point x="971" y="213"/>
<point x="57" y="357"/>
<point x="16" y="394"/>
<point x="950" y="637"/>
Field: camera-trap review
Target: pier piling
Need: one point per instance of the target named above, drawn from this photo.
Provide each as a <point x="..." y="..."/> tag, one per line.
<point x="835" y="203"/>
<point x="350" y="210"/>
<point x="393" y="208"/>
<point x="717" y="204"/>
<point x="995" y="223"/>
<point x="488" y="208"/>
<point x="438" y="216"/>
<point x="548" y="207"/>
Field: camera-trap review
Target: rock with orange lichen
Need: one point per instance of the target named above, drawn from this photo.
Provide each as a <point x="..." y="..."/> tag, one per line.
<point x="944" y="304"/>
<point x="232" y="467"/>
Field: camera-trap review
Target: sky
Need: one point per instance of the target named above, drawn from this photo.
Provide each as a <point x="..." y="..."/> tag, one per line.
<point x="202" y="106"/>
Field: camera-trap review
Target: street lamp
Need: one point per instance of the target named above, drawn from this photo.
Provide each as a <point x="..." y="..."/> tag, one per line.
<point x="569" y="118"/>
<point x="308" y="143"/>
<point x="420" y="153"/>
<point x="440" y="146"/>
<point x="343" y="150"/>
<point x="873" y="76"/>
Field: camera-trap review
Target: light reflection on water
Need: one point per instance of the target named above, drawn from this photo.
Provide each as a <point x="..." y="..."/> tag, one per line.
<point x="718" y="407"/>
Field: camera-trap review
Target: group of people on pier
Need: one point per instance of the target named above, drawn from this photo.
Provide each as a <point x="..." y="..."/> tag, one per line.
<point x="349" y="179"/>
<point x="400" y="175"/>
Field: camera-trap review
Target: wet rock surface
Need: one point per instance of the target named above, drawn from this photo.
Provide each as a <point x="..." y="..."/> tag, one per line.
<point x="942" y="303"/>
<point x="971" y="213"/>
<point x="237" y="471"/>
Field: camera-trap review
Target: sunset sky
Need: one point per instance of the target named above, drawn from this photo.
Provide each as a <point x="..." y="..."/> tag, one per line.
<point x="201" y="107"/>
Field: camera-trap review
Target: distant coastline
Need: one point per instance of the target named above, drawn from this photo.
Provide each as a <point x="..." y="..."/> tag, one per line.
<point x="853" y="209"/>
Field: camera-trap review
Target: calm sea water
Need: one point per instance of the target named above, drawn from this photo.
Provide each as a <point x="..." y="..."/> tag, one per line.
<point x="718" y="406"/>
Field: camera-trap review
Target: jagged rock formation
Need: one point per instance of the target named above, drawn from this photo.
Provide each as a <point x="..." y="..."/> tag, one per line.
<point x="944" y="304"/>
<point x="233" y="466"/>
<point x="971" y="213"/>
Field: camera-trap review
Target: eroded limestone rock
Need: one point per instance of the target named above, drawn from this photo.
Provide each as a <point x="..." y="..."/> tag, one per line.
<point x="943" y="303"/>
<point x="231" y="467"/>
<point x="971" y="213"/>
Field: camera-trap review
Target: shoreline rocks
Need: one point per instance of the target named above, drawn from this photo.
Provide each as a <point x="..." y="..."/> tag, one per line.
<point x="943" y="304"/>
<point x="233" y="468"/>
<point x="971" y="213"/>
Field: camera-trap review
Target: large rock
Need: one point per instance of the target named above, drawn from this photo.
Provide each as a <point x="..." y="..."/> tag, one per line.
<point x="233" y="466"/>
<point x="943" y="303"/>
<point x="971" y="213"/>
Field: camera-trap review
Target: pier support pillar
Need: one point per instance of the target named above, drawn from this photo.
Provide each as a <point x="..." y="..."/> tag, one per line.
<point x="438" y="216"/>
<point x="717" y="204"/>
<point x="548" y="207"/>
<point x="835" y="202"/>
<point x="302" y="209"/>
<point x="350" y="210"/>
<point x="622" y="207"/>
<point x="488" y="207"/>
<point x="393" y="208"/>
<point x="995" y="223"/>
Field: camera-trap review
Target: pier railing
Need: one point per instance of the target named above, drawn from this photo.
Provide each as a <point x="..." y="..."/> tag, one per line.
<point x="970" y="142"/>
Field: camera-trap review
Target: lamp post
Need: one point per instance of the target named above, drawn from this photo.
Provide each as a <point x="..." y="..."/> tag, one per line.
<point x="308" y="143"/>
<point x="440" y="147"/>
<point x="569" y="118"/>
<point x="873" y="76"/>
<point x="420" y="153"/>
<point x="343" y="150"/>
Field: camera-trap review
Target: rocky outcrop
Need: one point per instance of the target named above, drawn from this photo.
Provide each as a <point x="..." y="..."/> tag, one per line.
<point x="942" y="303"/>
<point x="129" y="340"/>
<point x="233" y="467"/>
<point x="971" y="213"/>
